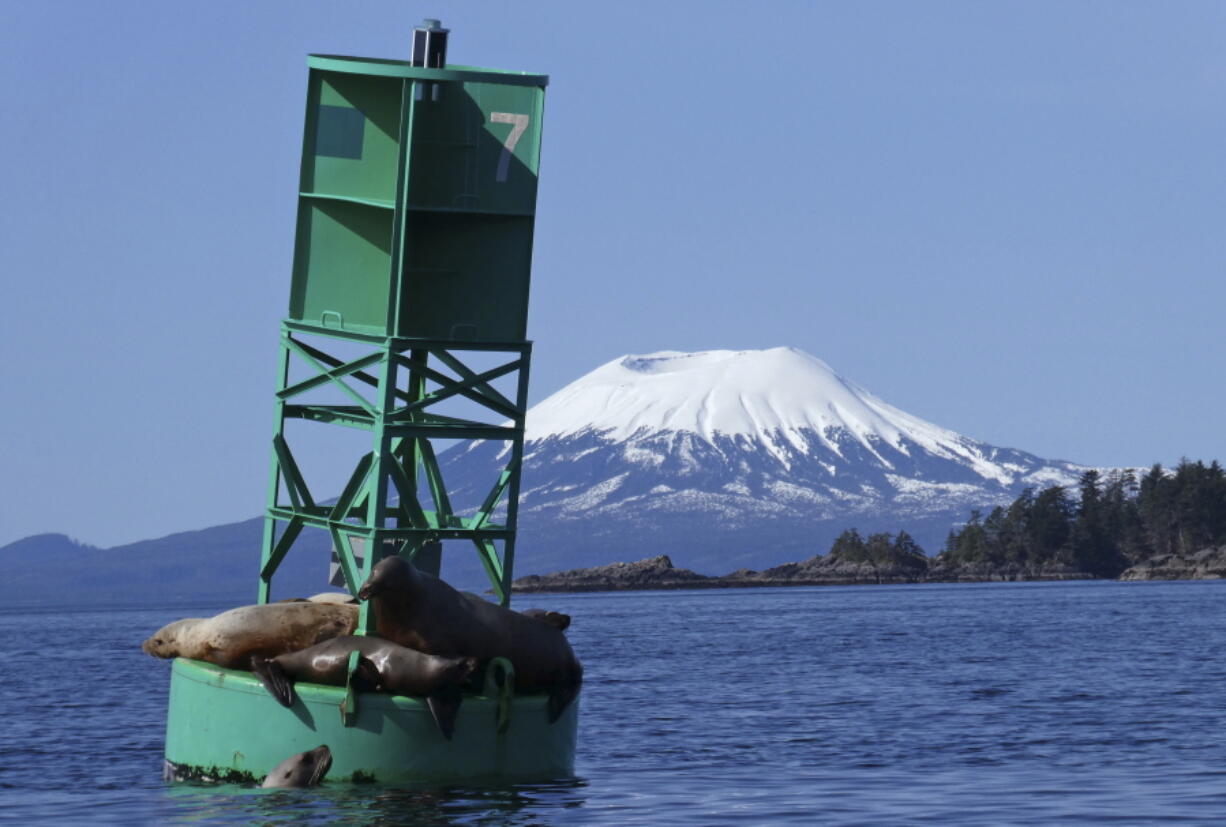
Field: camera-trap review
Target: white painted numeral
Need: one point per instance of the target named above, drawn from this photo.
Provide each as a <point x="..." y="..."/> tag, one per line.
<point x="519" y="124"/>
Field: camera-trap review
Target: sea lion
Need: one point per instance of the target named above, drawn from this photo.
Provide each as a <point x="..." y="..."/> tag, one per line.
<point x="342" y="598"/>
<point x="231" y="638"/>
<point x="557" y="620"/>
<point x="306" y="769"/>
<point x="322" y="597"/>
<point x="422" y="612"/>
<point x="384" y="666"/>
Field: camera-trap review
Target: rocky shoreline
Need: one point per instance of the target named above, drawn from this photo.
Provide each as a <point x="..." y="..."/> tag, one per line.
<point x="659" y="573"/>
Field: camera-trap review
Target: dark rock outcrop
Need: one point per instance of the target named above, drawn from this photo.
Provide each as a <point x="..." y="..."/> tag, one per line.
<point x="1207" y="564"/>
<point x="652" y="573"/>
<point x="944" y="572"/>
<point x="828" y="570"/>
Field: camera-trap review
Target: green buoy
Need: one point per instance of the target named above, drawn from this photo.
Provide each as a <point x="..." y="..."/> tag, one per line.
<point x="412" y="257"/>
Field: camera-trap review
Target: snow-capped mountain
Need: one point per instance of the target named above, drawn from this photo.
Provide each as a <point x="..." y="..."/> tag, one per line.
<point x="725" y="459"/>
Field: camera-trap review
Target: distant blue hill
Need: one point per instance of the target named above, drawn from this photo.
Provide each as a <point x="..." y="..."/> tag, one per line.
<point x="722" y="460"/>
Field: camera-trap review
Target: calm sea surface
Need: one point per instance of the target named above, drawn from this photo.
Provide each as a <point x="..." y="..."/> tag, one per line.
<point x="945" y="704"/>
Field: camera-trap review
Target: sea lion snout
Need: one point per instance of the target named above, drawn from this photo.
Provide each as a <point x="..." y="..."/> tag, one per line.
<point x="387" y="573"/>
<point x="466" y="668"/>
<point x="306" y="769"/>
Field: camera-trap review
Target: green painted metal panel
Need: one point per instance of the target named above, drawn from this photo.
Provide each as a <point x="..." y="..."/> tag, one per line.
<point x="386" y="67"/>
<point x="417" y="201"/>
<point x="343" y="266"/>
<point x="223" y="720"/>
<point x="351" y="147"/>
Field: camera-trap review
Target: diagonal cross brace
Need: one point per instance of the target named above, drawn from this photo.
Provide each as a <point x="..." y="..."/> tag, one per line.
<point x="305" y="352"/>
<point x="344" y="555"/>
<point x="333" y="374"/>
<point x="408" y="497"/>
<point x="292" y="530"/>
<point x="491" y="502"/>
<point x="451" y="387"/>
<point x="355" y="484"/>
<point x="467" y="373"/>
<point x="438" y="491"/>
<point x="294" y="482"/>
<point x="493" y="567"/>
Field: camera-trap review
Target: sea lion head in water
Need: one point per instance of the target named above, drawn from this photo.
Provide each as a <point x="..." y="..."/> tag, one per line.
<point x="306" y="769"/>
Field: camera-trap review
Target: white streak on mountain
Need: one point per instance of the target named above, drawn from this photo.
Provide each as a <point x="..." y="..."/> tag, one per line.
<point x="731" y="458"/>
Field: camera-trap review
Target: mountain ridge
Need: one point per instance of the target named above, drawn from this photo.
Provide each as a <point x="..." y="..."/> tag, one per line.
<point x="720" y="459"/>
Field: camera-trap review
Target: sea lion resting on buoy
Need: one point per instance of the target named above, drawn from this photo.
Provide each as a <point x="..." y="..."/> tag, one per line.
<point x="306" y="769"/>
<point x="231" y="638"/>
<point x="557" y="620"/>
<point x="322" y="597"/>
<point x="422" y="612"/>
<point x="384" y="666"/>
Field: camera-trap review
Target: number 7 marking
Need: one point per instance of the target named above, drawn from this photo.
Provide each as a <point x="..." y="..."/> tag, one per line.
<point x="519" y="124"/>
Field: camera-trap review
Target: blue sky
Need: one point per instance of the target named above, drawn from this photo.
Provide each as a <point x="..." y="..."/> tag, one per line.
<point x="1006" y="218"/>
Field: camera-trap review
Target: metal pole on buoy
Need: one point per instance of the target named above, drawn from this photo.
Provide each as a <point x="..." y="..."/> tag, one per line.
<point x="409" y="288"/>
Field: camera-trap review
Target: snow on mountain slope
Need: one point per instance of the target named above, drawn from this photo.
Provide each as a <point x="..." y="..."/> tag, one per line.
<point x="771" y="395"/>
<point x="741" y="456"/>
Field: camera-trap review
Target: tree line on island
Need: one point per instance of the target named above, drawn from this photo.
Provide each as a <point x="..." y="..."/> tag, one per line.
<point x="1164" y="525"/>
<point x="1116" y="522"/>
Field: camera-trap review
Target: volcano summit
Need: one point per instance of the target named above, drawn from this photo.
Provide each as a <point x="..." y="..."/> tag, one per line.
<point x="725" y="459"/>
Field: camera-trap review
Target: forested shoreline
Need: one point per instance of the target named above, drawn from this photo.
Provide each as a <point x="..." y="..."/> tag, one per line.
<point x="1162" y="525"/>
<point x="1114" y="522"/>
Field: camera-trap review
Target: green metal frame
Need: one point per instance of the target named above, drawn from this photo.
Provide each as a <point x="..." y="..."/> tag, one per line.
<point x="426" y="187"/>
<point x="404" y="427"/>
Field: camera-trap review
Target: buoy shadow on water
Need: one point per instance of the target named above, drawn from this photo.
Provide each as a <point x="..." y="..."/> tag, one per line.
<point x="224" y="726"/>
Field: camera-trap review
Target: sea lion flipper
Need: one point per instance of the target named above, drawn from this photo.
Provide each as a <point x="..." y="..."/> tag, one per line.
<point x="445" y="706"/>
<point x="366" y="677"/>
<point x="274" y="679"/>
<point x="560" y="697"/>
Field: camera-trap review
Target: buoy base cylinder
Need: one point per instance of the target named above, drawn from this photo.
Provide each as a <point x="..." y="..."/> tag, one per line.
<point x="223" y="725"/>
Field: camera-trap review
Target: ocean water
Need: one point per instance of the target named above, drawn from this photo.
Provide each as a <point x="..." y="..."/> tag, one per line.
<point x="1047" y="703"/>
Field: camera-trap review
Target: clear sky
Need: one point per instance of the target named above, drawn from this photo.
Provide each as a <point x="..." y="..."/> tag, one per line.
<point x="1004" y="217"/>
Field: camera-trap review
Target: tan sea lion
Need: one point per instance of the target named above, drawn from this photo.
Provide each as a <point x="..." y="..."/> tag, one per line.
<point x="306" y="769"/>
<point x="231" y="638"/>
<point x="322" y="597"/>
<point x="422" y="612"/>
<point x="343" y="598"/>
<point x="384" y="666"/>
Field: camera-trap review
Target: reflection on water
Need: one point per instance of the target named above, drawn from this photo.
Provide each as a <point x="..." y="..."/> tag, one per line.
<point x="554" y="802"/>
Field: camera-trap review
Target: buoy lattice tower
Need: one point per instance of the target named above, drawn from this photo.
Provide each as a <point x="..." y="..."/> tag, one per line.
<point x="412" y="256"/>
<point x="415" y="223"/>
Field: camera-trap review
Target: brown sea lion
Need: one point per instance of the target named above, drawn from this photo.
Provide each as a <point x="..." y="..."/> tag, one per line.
<point x="422" y="612"/>
<point x="231" y="638"/>
<point x="557" y="620"/>
<point x="306" y="769"/>
<point x="384" y="666"/>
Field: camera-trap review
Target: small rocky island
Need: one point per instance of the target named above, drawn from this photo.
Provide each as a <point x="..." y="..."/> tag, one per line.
<point x="660" y="573"/>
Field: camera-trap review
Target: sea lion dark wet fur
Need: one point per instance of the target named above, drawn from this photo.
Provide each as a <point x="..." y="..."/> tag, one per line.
<point x="306" y="769"/>
<point x="424" y="613"/>
<point x="557" y="620"/>
<point x="384" y="666"/>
